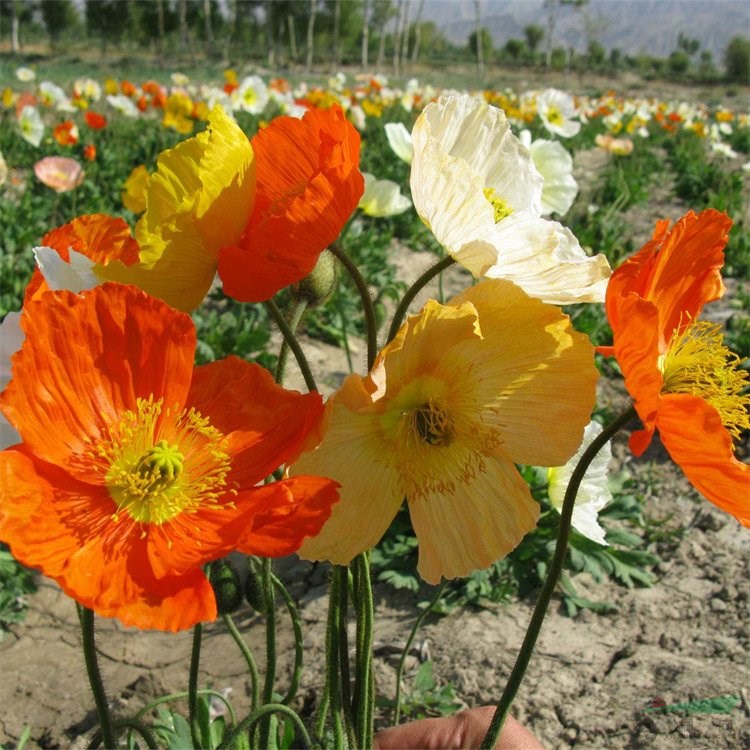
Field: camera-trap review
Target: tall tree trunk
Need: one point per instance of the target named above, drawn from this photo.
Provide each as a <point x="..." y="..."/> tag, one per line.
<point x="551" y="20"/>
<point x="405" y="35"/>
<point x="292" y="37"/>
<point x="183" y="27"/>
<point x="480" y="51"/>
<point x="208" y="25"/>
<point x="381" y="50"/>
<point x="160" y="29"/>
<point x="417" y="33"/>
<point x="311" y="34"/>
<point x="15" y="44"/>
<point x="336" y="36"/>
<point x="397" y="37"/>
<point x="270" y="34"/>
<point x="365" y="33"/>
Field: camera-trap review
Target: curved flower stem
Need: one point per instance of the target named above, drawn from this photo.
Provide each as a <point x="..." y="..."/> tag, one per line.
<point x="184" y="694"/>
<point x="332" y="690"/>
<point x="550" y="582"/>
<point x="266" y="711"/>
<point x="252" y="667"/>
<point x="365" y="695"/>
<point x="414" y="290"/>
<point x="135" y="726"/>
<point x="298" y="645"/>
<point x="288" y="333"/>
<point x="367" y="306"/>
<point x="418" y="624"/>
<point x="86" y="617"/>
<point x="269" y="594"/>
<point x="195" y="658"/>
<point x="298" y="312"/>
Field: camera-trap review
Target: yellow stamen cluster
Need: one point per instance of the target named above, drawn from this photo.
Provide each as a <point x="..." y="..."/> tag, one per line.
<point x="432" y="424"/>
<point x="554" y="116"/>
<point x="161" y="462"/>
<point x="500" y="207"/>
<point x="698" y="363"/>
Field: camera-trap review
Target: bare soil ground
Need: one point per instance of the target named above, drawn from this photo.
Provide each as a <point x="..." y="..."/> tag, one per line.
<point x="593" y="680"/>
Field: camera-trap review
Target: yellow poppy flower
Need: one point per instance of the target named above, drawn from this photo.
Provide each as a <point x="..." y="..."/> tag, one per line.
<point x="134" y="190"/>
<point x="199" y="200"/>
<point x="464" y="391"/>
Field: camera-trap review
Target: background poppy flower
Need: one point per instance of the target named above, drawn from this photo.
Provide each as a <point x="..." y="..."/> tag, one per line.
<point x="684" y="381"/>
<point x="66" y="133"/>
<point x="153" y="467"/>
<point x="95" y="120"/>
<point x="60" y="173"/>
<point x="308" y="185"/>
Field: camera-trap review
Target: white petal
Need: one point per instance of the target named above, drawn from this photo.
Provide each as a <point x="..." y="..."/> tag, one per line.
<point x="382" y="197"/>
<point x="75" y="276"/>
<point x="399" y="139"/>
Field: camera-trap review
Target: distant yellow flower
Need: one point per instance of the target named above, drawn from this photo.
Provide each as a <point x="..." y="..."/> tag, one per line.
<point x="134" y="190"/>
<point x="463" y="393"/>
<point x="177" y="113"/>
<point x="199" y="200"/>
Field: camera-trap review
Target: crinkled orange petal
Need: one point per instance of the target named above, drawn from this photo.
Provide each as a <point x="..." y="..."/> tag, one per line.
<point x="698" y="442"/>
<point x="308" y="185"/>
<point x="678" y="271"/>
<point x="266" y="425"/>
<point x="65" y="529"/>
<point x="100" y="237"/>
<point x="87" y="358"/>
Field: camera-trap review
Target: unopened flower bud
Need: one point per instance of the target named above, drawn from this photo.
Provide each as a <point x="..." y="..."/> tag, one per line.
<point x="226" y="585"/>
<point x="317" y="287"/>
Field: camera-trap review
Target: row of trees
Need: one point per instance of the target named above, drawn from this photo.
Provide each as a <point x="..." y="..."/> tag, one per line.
<point x="387" y="35"/>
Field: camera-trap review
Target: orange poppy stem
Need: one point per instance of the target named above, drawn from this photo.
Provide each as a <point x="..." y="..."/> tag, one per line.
<point x="86" y="617"/>
<point x="550" y="583"/>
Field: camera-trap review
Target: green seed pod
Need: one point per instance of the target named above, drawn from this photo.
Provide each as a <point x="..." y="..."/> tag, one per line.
<point x="317" y="287"/>
<point x="254" y="592"/>
<point x="226" y="585"/>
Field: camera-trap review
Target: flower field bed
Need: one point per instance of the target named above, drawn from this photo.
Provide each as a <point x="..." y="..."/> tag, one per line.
<point x="205" y="238"/>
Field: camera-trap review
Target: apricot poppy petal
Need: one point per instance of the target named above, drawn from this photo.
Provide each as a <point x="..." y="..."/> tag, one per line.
<point x="266" y="425"/>
<point x="86" y="358"/>
<point x="285" y="514"/>
<point x="698" y="442"/>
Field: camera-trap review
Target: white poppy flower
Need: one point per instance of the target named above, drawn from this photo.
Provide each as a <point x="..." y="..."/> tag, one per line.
<point x="476" y="187"/>
<point x="3" y="170"/>
<point x="555" y="164"/>
<point x="399" y="139"/>
<point x="252" y="95"/>
<point x="25" y="75"/>
<point x="593" y="493"/>
<point x="558" y="112"/>
<point x="123" y="104"/>
<point x="382" y="197"/>
<point x="31" y="125"/>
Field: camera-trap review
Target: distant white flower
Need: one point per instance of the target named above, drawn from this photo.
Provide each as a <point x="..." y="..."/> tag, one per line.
<point x="3" y="169"/>
<point x="88" y="88"/>
<point x="382" y="197"/>
<point x="555" y="164"/>
<point x="477" y="189"/>
<point x="180" y="79"/>
<point x="593" y="493"/>
<point x="25" y="75"/>
<point x="123" y="104"/>
<point x="251" y="96"/>
<point x="558" y="112"/>
<point x="337" y="82"/>
<point x="357" y="115"/>
<point x="399" y="139"/>
<point x="31" y="125"/>
<point x="724" y="149"/>
<point x="11" y="338"/>
<point x="52" y="95"/>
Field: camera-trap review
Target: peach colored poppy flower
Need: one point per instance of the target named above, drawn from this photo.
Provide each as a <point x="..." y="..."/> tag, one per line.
<point x="60" y="173"/>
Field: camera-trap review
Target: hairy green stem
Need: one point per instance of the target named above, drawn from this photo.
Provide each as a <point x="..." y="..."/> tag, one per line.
<point x="402" y="661"/>
<point x="367" y="305"/>
<point x="88" y="640"/>
<point x="298" y="312"/>
<point x="413" y="291"/>
<point x="135" y="726"/>
<point x="252" y="667"/>
<point x="265" y="712"/>
<point x="288" y="334"/>
<point x="365" y="695"/>
<point x="298" y="645"/>
<point x="269" y="595"/>
<point x="195" y="658"/>
<point x="550" y="582"/>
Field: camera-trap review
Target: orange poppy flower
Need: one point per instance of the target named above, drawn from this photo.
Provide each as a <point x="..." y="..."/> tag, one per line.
<point x="128" y="88"/>
<point x="66" y="133"/>
<point x="95" y="120"/>
<point x="684" y="381"/>
<point x="308" y="185"/>
<point x="89" y="152"/>
<point x="99" y="237"/>
<point x="153" y="466"/>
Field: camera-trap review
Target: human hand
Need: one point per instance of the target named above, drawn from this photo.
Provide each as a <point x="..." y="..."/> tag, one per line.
<point x="463" y="730"/>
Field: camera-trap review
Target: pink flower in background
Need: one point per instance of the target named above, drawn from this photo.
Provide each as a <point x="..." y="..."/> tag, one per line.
<point x="59" y="173"/>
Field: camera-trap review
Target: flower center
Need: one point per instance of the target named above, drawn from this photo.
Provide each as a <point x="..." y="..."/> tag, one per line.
<point x="161" y="462"/>
<point x="432" y="424"/>
<point x="500" y="207"/>
<point x="554" y="116"/>
<point x="698" y="363"/>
